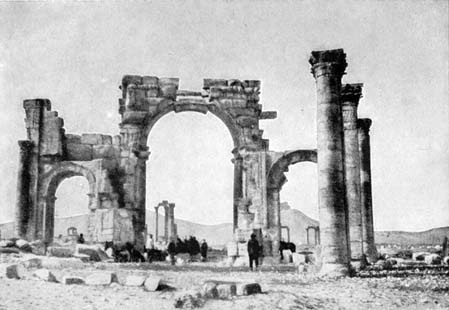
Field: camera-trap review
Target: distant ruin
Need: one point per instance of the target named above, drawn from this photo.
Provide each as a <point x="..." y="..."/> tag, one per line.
<point x="115" y="166"/>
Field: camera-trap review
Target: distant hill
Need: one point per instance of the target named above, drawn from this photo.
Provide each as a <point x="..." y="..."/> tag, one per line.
<point x="219" y="235"/>
<point x="432" y="236"/>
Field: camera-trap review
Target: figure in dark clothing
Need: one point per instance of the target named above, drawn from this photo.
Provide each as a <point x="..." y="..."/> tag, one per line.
<point x="81" y="239"/>
<point x="253" y="251"/>
<point x="194" y="247"/>
<point x="203" y="250"/>
<point x="172" y="251"/>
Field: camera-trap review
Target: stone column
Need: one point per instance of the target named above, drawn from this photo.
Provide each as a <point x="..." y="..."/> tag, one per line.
<point x="238" y="192"/>
<point x="350" y="96"/>
<point x="156" y="232"/>
<point x="166" y="219"/>
<point x="23" y="183"/>
<point x="274" y="222"/>
<point x="171" y="221"/>
<point x="364" y="125"/>
<point x="307" y="234"/>
<point x="328" y="68"/>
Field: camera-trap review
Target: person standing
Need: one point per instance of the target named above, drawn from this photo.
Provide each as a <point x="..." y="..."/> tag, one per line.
<point x="203" y="250"/>
<point x="81" y="239"/>
<point x="253" y="251"/>
<point x="172" y="251"/>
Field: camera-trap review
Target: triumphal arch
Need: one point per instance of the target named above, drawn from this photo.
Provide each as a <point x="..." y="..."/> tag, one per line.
<point x="115" y="166"/>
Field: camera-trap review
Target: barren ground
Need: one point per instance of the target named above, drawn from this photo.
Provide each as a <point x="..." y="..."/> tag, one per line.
<point x="283" y="288"/>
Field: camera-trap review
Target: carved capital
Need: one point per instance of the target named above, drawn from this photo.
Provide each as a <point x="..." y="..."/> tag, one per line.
<point x="364" y="124"/>
<point x="330" y="62"/>
<point x="350" y="94"/>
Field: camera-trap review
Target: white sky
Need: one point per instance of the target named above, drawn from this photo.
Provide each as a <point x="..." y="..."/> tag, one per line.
<point x="76" y="53"/>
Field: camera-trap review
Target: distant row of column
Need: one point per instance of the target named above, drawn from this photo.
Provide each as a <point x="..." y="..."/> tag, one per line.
<point x="169" y="223"/>
<point x="344" y="178"/>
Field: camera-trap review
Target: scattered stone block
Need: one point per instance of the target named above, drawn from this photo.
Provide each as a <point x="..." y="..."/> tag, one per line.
<point x="95" y="253"/>
<point x="248" y="289"/>
<point x="446" y="260"/>
<point x="152" y="283"/>
<point x="69" y="280"/>
<point x="189" y="300"/>
<point x="298" y="258"/>
<point x="60" y="251"/>
<point x="210" y="290"/>
<point x="419" y="256"/>
<point x="6" y="243"/>
<point x="32" y="262"/>
<point x="11" y="271"/>
<point x="134" y="280"/>
<point x="83" y="257"/>
<point x="45" y="275"/>
<point x="23" y="245"/>
<point x="432" y="259"/>
<point x="226" y="290"/>
<point x="101" y="278"/>
<point x="60" y="263"/>
<point x="9" y="251"/>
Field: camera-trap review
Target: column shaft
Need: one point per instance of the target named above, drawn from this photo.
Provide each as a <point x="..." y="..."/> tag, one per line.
<point x="23" y="183"/>
<point x="366" y="192"/>
<point x="238" y="192"/>
<point x="166" y="219"/>
<point x="349" y="97"/>
<point x="156" y="232"/>
<point x="328" y="68"/>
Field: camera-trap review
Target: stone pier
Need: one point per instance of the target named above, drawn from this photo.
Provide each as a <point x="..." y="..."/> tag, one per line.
<point x="350" y="96"/>
<point x="364" y="125"/>
<point x="156" y="230"/>
<point x="171" y="222"/>
<point x="238" y="168"/>
<point x="328" y="68"/>
<point x="22" y="210"/>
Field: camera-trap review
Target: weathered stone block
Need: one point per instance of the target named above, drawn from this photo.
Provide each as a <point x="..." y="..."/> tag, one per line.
<point x="45" y="275"/>
<point x="103" y="151"/>
<point x="101" y="278"/>
<point x="210" y="290"/>
<point x="248" y="289"/>
<point x="116" y="140"/>
<point x="134" y="280"/>
<point x="432" y="259"/>
<point x="71" y="138"/>
<point x="95" y="253"/>
<point x="152" y="283"/>
<point x="6" y="243"/>
<point x="226" y="290"/>
<point x="11" y="271"/>
<point x="81" y="152"/>
<point x="91" y="138"/>
<point x="60" y="251"/>
<point x="32" y="262"/>
<point x="23" y="245"/>
<point x="68" y="279"/>
<point x="106" y="139"/>
<point x="59" y="263"/>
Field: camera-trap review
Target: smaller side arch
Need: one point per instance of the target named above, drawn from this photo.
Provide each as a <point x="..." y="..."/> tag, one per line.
<point x="276" y="177"/>
<point x="50" y="182"/>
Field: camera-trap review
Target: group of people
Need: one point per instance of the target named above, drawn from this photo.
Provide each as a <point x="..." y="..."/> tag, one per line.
<point x="177" y="246"/>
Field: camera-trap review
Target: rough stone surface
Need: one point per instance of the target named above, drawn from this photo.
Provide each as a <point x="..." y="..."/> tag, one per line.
<point x="72" y="280"/>
<point x="101" y="278"/>
<point x="11" y="271"/>
<point x="60" y="251"/>
<point x="226" y="290"/>
<point x="248" y="289"/>
<point x="134" y="280"/>
<point x="210" y="290"/>
<point x="152" y="283"/>
<point x="45" y="275"/>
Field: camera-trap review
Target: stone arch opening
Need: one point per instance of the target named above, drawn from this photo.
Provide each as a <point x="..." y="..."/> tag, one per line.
<point x="71" y="206"/>
<point x="188" y="178"/>
<point x="51" y="182"/>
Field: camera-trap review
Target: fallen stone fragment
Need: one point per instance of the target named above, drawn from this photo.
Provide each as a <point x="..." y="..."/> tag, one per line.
<point x="101" y="278"/>
<point x="226" y="291"/>
<point x="83" y="257"/>
<point x="61" y="263"/>
<point x="134" y="280"/>
<point x="9" y="251"/>
<point x="209" y="290"/>
<point x="23" y="245"/>
<point x="248" y="289"/>
<point x="432" y="259"/>
<point x="189" y="300"/>
<point x="33" y="262"/>
<point x="45" y="274"/>
<point x="152" y="283"/>
<point x="6" y="243"/>
<point x="72" y="280"/>
<point x="11" y="271"/>
<point x="59" y="251"/>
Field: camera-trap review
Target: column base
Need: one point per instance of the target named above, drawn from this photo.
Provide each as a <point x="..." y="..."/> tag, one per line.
<point x="331" y="270"/>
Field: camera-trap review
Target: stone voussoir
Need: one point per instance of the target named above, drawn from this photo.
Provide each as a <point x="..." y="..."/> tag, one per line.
<point x="69" y="280"/>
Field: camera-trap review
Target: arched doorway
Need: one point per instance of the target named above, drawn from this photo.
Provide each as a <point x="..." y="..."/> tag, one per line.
<point x="190" y="166"/>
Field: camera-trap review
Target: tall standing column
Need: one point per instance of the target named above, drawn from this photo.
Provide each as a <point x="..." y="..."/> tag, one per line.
<point x="364" y="125"/>
<point x="274" y="223"/>
<point x="350" y="96"/>
<point x="156" y="232"/>
<point x="328" y="67"/>
<point x="171" y="221"/>
<point x="238" y="192"/>
<point x="23" y="184"/>
<point x="166" y="219"/>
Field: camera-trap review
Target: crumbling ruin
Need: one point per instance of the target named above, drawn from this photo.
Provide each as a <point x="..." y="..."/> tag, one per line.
<point x="115" y="166"/>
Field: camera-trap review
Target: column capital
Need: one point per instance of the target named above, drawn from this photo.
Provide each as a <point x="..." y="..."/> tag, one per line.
<point x="350" y="94"/>
<point x="329" y="62"/>
<point x="364" y="124"/>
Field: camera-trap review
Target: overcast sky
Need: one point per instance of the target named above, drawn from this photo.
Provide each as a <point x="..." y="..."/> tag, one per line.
<point x="76" y="53"/>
